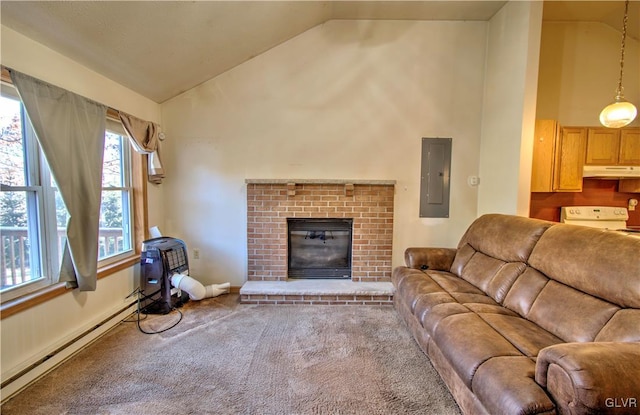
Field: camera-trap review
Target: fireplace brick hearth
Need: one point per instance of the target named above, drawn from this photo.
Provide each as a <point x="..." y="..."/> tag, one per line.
<point x="368" y="203"/>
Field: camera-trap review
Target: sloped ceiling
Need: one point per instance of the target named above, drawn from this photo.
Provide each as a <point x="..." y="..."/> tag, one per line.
<point x="162" y="48"/>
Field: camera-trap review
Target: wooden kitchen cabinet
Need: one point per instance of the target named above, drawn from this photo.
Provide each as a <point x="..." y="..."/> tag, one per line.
<point x="603" y="146"/>
<point x="558" y="157"/>
<point x="629" y="153"/>
<point x="610" y="147"/>
<point x="544" y="144"/>
<point x="569" y="159"/>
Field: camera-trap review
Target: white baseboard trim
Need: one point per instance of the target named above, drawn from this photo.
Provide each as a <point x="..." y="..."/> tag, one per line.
<point x="49" y="362"/>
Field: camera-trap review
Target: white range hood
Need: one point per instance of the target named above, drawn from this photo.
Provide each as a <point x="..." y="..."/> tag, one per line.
<point x="612" y="172"/>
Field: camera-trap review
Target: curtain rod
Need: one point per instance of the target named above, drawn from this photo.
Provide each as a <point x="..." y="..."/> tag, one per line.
<point x="5" y="76"/>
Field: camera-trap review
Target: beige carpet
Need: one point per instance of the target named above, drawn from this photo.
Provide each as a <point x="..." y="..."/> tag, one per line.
<point x="227" y="358"/>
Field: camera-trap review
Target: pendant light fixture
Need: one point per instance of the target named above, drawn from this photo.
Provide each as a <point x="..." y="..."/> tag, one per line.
<point x="620" y="112"/>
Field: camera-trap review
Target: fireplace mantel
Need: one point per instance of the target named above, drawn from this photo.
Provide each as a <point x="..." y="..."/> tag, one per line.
<point x="322" y="181"/>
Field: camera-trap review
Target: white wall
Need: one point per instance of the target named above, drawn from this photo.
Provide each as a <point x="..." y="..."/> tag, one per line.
<point x="29" y="335"/>
<point x="347" y="99"/>
<point x="509" y="109"/>
<point x="579" y="69"/>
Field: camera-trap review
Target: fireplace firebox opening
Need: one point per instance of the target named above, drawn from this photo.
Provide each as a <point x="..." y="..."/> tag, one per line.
<point x="319" y="248"/>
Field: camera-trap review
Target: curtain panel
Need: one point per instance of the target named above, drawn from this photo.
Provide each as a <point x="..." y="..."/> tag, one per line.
<point x="70" y="130"/>
<point x="144" y="139"/>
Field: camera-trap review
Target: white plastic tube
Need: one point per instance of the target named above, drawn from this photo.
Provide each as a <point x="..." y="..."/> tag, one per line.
<point x="196" y="290"/>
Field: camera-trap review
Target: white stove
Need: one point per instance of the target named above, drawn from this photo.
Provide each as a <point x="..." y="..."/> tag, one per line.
<point x="603" y="217"/>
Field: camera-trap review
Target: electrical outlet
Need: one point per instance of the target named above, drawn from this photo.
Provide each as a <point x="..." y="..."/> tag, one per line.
<point x="473" y="181"/>
<point x="196" y="253"/>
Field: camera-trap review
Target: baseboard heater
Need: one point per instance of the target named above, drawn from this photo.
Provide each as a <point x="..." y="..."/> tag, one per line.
<point x="58" y="356"/>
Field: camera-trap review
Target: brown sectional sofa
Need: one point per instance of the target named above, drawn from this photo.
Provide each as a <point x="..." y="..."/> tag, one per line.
<point x="529" y="317"/>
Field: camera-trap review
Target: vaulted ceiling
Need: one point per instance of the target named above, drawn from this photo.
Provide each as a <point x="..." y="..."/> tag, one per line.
<point x="162" y="48"/>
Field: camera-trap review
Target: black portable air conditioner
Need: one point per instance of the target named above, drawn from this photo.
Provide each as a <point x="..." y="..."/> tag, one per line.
<point x="160" y="259"/>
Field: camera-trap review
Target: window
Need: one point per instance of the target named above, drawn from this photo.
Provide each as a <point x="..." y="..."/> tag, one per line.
<point x="33" y="217"/>
<point x="116" y="208"/>
<point x="29" y="237"/>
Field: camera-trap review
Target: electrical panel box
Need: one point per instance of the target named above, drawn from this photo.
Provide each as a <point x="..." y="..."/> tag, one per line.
<point x="435" y="177"/>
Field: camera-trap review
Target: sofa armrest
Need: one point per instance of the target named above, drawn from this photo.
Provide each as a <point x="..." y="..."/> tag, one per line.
<point x="591" y="377"/>
<point x="439" y="259"/>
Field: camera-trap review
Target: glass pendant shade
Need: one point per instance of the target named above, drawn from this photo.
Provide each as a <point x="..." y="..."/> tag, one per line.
<point x="618" y="114"/>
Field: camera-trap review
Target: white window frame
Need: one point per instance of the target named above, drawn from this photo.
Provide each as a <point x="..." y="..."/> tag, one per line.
<point x="42" y="232"/>
<point x="127" y="222"/>
<point x="44" y="229"/>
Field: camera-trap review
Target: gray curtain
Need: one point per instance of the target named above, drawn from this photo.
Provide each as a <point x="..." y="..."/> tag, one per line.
<point x="144" y="139"/>
<point x="70" y="130"/>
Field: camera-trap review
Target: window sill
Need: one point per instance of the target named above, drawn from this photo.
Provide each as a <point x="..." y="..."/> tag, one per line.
<point x="114" y="267"/>
<point x="27" y="301"/>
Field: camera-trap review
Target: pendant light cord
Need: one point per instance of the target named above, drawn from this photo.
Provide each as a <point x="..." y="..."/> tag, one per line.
<point x="619" y="92"/>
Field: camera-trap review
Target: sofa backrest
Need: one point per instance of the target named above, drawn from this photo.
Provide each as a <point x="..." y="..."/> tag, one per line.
<point x="505" y="237"/>
<point x="600" y="263"/>
<point x="494" y="251"/>
<point x="579" y="283"/>
<point x="587" y="285"/>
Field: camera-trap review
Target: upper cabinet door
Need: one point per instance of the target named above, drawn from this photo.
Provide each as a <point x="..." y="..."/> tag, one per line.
<point x="630" y="146"/>
<point x="569" y="161"/>
<point x="603" y="146"/>
<point x="544" y="147"/>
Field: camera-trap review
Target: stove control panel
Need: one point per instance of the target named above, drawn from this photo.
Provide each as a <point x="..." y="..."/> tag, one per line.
<point x="597" y="213"/>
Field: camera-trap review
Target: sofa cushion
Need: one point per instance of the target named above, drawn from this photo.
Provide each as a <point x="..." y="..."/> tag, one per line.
<point x="401" y="273"/>
<point x="430" y="318"/>
<point x="570" y="314"/>
<point x="526" y="336"/>
<point x="463" y="256"/>
<point x="493" y="276"/>
<point x="426" y="301"/>
<point x="493" y="251"/>
<point x="480" y="270"/>
<point x="504" y="237"/>
<point x="524" y="291"/>
<point x="603" y="264"/>
<point x="414" y="284"/>
<point x="624" y="326"/>
<point x="523" y="396"/>
<point x="453" y="284"/>
<point x="467" y="341"/>
<point x="503" y="280"/>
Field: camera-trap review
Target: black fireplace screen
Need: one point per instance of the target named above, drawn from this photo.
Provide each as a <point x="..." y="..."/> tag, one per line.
<point x="320" y="248"/>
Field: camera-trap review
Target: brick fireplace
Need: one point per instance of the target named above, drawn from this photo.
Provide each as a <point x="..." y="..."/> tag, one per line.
<point x="369" y="203"/>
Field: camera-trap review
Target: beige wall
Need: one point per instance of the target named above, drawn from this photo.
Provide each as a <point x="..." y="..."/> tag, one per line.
<point x="32" y="334"/>
<point x="579" y="69"/>
<point x="345" y="100"/>
<point x="509" y="109"/>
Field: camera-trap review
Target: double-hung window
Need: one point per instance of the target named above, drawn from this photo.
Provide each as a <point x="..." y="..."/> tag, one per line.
<point x="30" y="252"/>
<point x="116" y="211"/>
<point x="33" y="217"/>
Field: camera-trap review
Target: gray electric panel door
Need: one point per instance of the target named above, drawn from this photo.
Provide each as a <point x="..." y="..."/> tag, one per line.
<point x="435" y="175"/>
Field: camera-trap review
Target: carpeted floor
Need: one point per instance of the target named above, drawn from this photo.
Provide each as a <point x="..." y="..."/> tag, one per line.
<point x="227" y="358"/>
